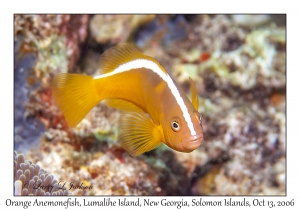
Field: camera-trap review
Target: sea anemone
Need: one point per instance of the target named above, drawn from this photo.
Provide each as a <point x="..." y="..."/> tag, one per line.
<point x="30" y="179"/>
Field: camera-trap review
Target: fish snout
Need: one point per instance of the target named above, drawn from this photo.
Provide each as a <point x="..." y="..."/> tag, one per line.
<point x="192" y="143"/>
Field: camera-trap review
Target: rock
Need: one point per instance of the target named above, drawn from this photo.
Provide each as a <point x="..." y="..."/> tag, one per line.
<point x="115" y="29"/>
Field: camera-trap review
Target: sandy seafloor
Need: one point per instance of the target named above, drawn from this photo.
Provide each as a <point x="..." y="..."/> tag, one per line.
<point x="238" y="63"/>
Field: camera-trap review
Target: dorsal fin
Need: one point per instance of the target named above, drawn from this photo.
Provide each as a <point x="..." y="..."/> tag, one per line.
<point x="121" y="54"/>
<point x="195" y="99"/>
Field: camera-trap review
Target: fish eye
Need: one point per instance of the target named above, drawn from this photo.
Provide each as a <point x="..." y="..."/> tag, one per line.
<point x="175" y="124"/>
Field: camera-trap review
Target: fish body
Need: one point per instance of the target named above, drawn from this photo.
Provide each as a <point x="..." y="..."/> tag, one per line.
<point x="155" y="109"/>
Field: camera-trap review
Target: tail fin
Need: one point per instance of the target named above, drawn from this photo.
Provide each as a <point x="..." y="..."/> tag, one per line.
<point x="75" y="95"/>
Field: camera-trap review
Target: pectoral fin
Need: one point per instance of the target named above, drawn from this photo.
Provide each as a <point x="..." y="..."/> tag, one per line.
<point x="195" y="99"/>
<point x="137" y="131"/>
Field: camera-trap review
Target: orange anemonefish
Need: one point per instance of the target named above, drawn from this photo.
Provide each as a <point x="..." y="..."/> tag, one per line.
<point x="155" y="109"/>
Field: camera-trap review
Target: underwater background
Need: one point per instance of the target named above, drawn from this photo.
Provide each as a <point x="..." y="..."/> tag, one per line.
<point x="238" y="63"/>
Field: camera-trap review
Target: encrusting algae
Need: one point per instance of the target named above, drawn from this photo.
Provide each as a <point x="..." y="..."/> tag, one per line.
<point x="155" y="109"/>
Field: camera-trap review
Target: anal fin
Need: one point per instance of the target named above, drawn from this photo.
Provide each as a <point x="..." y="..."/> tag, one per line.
<point x="122" y="105"/>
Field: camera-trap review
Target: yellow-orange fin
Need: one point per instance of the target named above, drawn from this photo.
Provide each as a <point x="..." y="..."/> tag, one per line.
<point x="121" y="54"/>
<point x="137" y="132"/>
<point x="195" y="99"/>
<point x="75" y="95"/>
<point x="122" y="105"/>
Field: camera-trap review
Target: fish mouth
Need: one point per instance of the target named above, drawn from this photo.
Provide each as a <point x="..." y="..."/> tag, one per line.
<point x="192" y="143"/>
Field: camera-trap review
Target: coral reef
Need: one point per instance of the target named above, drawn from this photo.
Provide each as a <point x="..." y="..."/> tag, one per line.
<point x="238" y="63"/>
<point x="27" y="128"/>
<point x="55" y="38"/>
<point x="115" y="29"/>
<point x="242" y="89"/>
<point x="44" y="45"/>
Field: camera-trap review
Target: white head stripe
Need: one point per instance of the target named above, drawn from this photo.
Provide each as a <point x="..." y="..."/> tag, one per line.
<point x="148" y="64"/>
